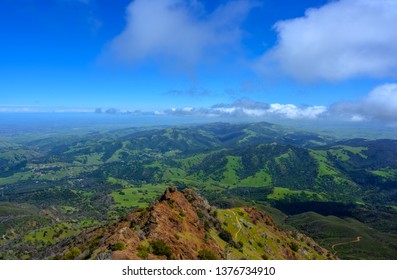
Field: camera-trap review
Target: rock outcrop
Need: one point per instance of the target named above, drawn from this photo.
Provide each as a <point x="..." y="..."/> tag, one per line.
<point x="182" y="225"/>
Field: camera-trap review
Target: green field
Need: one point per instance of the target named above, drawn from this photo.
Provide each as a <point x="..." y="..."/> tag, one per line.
<point x="353" y="150"/>
<point x="17" y="177"/>
<point x="260" y="179"/>
<point x="387" y="173"/>
<point x="137" y="197"/>
<point x="324" y="166"/>
<point x="7" y="209"/>
<point x="57" y="232"/>
<point x="51" y="234"/>
<point x="230" y="176"/>
<point x="282" y="193"/>
<point x="394" y="207"/>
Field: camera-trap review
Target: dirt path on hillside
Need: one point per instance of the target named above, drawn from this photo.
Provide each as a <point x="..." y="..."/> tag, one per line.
<point x="239" y="225"/>
<point x="358" y="239"/>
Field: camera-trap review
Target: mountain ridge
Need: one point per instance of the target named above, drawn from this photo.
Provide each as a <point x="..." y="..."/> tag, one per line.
<point x="182" y="225"/>
<point x="80" y="181"/>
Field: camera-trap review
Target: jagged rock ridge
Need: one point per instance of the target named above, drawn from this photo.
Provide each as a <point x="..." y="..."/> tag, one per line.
<point x="182" y="225"/>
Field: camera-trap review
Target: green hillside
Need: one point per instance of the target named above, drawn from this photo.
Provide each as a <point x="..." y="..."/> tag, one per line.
<point x="100" y="176"/>
<point x="338" y="235"/>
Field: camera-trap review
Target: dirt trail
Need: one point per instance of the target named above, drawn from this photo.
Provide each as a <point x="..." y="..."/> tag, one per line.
<point x="239" y="224"/>
<point x="358" y="239"/>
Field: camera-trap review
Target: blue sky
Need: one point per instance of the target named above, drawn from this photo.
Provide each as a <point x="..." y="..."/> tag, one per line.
<point x="291" y="59"/>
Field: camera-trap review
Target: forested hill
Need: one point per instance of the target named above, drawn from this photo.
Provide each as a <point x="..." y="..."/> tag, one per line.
<point x="227" y="155"/>
<point x="79" y="180"/>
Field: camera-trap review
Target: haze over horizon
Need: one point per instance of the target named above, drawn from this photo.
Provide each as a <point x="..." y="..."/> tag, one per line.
<point x="317" y="60"/>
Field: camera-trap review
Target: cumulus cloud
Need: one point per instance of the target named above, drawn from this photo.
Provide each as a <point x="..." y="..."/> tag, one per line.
<point x="250" y="108"/>
<point x="291" y="111"/>
<point x="340" y="40"/>
<point x="179" y="31"/>
<point x="242" y="107"/>
<point x="380" y="104"/>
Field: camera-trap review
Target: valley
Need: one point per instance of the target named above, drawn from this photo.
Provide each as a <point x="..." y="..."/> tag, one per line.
<point x="56" y="188"/>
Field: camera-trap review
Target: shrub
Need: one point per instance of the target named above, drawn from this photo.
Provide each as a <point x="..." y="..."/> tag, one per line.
<point x="206" y="255"/>
<point x="200" y="214"/>
<point x="118" y="246"/>
<point x="226" y="236"/>
<point x="207" y="225"/>
<point x="294" y="246"/>
<point x="73" y="253"/>
<point x="265" y="257"/>
<point x="239" y="245"/>
<point x="143" y="252"/>
<point x="170" y="203"/>
<point x="161" y="249"/>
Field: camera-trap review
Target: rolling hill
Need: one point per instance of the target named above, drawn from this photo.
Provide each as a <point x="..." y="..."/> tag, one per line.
<point x="80" y="181"/>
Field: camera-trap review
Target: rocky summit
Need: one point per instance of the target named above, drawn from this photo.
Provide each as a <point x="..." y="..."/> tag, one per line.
<point x="182" y="225"/>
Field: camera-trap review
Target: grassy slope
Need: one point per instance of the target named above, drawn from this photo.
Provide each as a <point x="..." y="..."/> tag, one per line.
<point x="281" y="193"/>
<point x="329" y="230"/>
<point x="136" y="197"/>
<point x="259" y="241"/>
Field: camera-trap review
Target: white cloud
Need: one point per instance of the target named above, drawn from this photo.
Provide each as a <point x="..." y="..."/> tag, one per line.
<point x="254" y="112"/>
<point x="177" y="31"/>
<point x="223" y="110"/>
<point x="250" y="108"/>
<point x="380" y="104"/>
<point x="291" y="111"/>
<point x="341" y="40"/>
<point x="188" y="109"/>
